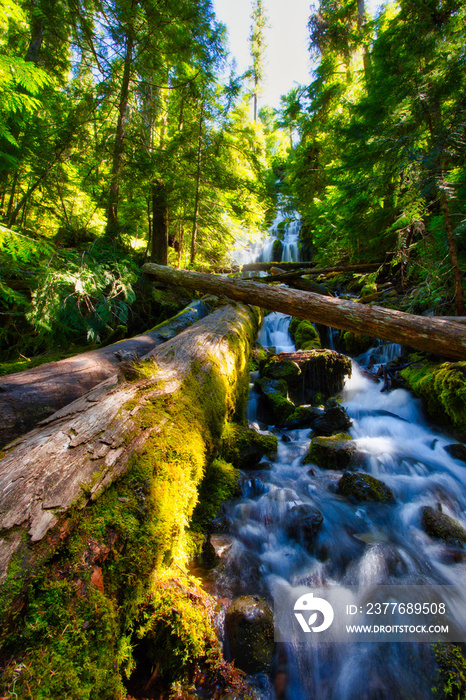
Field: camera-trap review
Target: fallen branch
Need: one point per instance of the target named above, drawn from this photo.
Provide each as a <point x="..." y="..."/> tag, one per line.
<point x="444" y="338"/>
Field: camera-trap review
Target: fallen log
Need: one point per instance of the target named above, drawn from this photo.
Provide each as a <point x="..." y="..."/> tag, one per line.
<point x="96" y="501"/>
<point x="29" y="396"/>
<point x="444" y="338"/>
<point x="308" y="268"/>
<point x="292" y="274"/>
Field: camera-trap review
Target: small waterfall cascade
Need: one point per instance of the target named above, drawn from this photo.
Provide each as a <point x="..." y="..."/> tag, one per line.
<point x="285" y="229"/>
<point x="359" y="544"/>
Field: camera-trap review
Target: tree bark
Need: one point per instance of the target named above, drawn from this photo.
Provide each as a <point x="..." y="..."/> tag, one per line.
<point x="440" y="337"/>
<point x="198" y="188"/>
<point x="28" y="397"/>
<point x="113" y="196"/>
<point x="87" y="445"/>
<point x="308" y="268"/>
<point x="159" y="247"/>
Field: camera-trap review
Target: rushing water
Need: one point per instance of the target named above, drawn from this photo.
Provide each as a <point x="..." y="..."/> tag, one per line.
<point x="261" y="251"/>
<point x="365" y="544"/>
<point x="358" y="545"/>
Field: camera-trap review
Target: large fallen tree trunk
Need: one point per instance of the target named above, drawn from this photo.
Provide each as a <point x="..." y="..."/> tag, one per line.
<point x="309" y="268"/>
<point x="72" y="455"/>
<point x="94" y="509"/>
<point x="444" y="338"/>
<point x="28" y="397"/>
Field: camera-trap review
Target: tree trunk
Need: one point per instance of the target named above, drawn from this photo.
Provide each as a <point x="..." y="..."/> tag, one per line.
<point x="159" y="248"/>
<point x="439" y="337"/>
<point x="89" y="444"/>
<point x="28" y="397"/>
<point x="113" y="196"/>
<point x="455" y="265"/>
<point x="198" y="187"/>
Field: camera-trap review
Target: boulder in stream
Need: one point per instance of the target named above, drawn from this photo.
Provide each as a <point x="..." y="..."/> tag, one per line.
<point x="303" y="522"/>
<point x="244" y="447"/>
<point x="442" y="527"/>
<point x="364" y="487"/>
<point x="333" y="452"/>
<point x="249" y="634"/>
<point x="457" y="451"/>
<point x="334" y="420"/>
<point x="311" y="376"/>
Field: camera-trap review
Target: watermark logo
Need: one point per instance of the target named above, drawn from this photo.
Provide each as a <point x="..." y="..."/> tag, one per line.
<point x="309" y="604"/>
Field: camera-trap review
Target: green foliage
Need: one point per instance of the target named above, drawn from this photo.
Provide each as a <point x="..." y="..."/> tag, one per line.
<point x="442" y="387"/>
<point x="451" y="672"/>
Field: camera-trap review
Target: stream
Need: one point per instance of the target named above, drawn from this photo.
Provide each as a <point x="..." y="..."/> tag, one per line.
<point x="358" y="544"/>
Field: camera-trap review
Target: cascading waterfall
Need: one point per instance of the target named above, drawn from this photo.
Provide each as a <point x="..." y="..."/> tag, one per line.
<point x="263" y="251"/>
<point x="368" y="544"/>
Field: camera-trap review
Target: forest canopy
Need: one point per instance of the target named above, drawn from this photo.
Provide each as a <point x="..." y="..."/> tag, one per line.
<point x="126" y="135"/>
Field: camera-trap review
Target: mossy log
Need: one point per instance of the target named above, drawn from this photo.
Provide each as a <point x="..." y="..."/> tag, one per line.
<point x="28" y="397"/>
<point x="444" y="338"/>
<point x="88" y="444"/>
<point x="95" y="506"/>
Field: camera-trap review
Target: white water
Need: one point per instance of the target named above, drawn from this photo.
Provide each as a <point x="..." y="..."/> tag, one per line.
<point x="262" y="251"/>
<point x="365" y="544"/>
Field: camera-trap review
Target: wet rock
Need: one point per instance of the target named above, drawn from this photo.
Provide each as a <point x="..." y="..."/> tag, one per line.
<point x="334" y="420"/>
<point x="249" y="634"/>
<point x="244" y="448"/>
<point x="364" y="487"/>
<point x="303" y="522"/>
<point x="303" y="417"/>
<point x="355" y="343"/>
<point x="333" y="452"/>
<point x="458" y="451"/>
<point x="216" y="548"/>
<point x="278" y="405"/>
<point x="321" y="374"/>
<point x="440" y="526"/>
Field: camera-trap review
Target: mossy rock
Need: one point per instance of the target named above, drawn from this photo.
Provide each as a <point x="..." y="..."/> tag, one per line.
<point x="355" y="343"/>
<point x="249" y="633"/>
<point x="442" y="388"/>
<point x="440" y="526"/>
<point x="303" y="417"/>
<point x="364" y="487"/>
<point x="308" y="375"/>
<point x="276" y="394"/>
<point x="244" y="447"/>
<point x="334" y="452"/>
<point x="334" y="420"/>
<point x="277" y="250"/>
<point x="304" y="334"/>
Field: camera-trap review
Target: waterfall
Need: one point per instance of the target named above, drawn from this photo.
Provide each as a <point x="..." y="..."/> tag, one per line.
<point x="287" y="233"/>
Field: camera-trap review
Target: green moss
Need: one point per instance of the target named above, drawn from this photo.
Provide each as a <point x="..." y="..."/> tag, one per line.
<point x="364" y="487"/>
<point x="220" y="483"/>
<point x="244" y="447"/>
<point x="23" y="363"/>
<point x="442" y="388"/>
<point x="175" y="627"/>
<point x="276" y="393"/>
<point x="334" y="452"/>
<point x="355" y="343"/>
<point x="69" y="622"/>
<point x="451" y="672"/>
<point x="304" y="334"/>
<point x="441" y="526"/>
